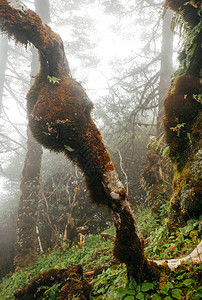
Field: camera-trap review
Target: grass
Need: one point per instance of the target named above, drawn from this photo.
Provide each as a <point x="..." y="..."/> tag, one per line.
<point x="112" y="283"/>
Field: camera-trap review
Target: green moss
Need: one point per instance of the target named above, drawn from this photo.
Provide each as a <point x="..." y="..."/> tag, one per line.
<point x="187" y="185"/>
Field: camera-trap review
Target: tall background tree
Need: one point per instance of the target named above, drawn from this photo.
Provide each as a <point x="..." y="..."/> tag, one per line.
<point x="157" y="175"/>
<point x="27" y="238"/>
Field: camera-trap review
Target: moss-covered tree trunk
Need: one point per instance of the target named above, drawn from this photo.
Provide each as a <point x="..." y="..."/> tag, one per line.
<point x="59" y="119"/>
<point x="183" y="119"/>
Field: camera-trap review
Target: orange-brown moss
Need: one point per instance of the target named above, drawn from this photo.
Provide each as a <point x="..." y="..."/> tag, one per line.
<point x="181" y="107"/>
<point x="176" y="4"/>
<point x="156" y="272"/>
<point x="25" y="29"/>
<point x="72" y="284"/>
<point x="59" y="118"/>
<point x="188" y="10"/>
<point x="14" y="25"/>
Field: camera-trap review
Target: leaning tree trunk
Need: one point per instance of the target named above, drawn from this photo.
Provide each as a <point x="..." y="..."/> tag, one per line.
<point x="182" y="122"/>
<point x="59" y="119"/>
<point x="27" y="232"/>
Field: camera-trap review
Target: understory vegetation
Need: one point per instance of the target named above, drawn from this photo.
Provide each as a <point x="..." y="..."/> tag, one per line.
<point x="108" y="278"/>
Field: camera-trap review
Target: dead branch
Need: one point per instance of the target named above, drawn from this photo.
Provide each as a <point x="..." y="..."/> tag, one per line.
<point x="195" y="257"/>
<point x="108" y="236"/>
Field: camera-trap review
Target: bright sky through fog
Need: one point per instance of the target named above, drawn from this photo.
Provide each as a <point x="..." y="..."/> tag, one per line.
<point x="109" y="44"/>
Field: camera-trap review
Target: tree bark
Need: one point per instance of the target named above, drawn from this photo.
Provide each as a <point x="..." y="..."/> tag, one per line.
<point x="27" y="232"/>
<point x="59" y="119"/>
<point x="26" y="246"/>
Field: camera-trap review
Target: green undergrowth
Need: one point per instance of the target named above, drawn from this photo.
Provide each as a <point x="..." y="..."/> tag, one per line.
<point x="163" y="245"/>
<point x="181" y="284"/>
<point x="60" y="258"/>
<point x="111" y="282"/>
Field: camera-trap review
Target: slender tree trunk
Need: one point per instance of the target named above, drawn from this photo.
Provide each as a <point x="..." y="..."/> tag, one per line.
<point x="3" y="60"/>
<point x="166" y="67"/>
<point x="157" y="175"/>
<point x="70" y="231"/>
<point x="26" y="245"/>
<point x="28" y="238"/>
<point x="59" y="118"/>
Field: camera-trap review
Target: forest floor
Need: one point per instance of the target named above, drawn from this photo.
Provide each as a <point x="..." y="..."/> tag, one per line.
<point x="103" y="277"/>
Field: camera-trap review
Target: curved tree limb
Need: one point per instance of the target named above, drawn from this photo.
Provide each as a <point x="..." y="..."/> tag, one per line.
<point x="59" y="119"/>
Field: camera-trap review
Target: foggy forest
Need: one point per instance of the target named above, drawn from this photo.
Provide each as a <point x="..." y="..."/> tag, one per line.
<point x="100" y="150"/>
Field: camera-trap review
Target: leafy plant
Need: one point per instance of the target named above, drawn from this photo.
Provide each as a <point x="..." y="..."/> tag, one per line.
<point x="112" y="282"/>
<point x="53" y="79"/>
<point x="177" y="128"/>
<point x="69" y="148"/>
<point x="51" y="292"/>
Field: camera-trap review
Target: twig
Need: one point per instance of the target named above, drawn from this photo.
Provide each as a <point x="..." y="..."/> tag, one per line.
<point x="122" y="169"/>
